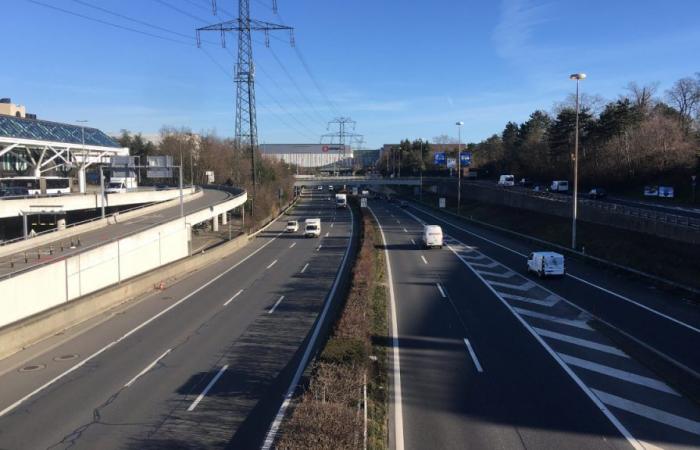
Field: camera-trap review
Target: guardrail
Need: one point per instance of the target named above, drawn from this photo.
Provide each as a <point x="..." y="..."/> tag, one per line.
<point x="235" y="192"/>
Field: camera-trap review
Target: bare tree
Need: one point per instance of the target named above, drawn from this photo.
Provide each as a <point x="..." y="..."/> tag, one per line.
<point x="593" y="103"/>
<point x="444" y="139"/>
<point x="642" y="96"/>
<point x="684" y="95"/>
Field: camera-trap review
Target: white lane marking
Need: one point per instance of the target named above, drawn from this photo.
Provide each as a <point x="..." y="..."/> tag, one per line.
<point x="572" y="323"/>
<point x="442" y="292"/>
<point x="581" y="342"/>
<point x="473" y="355"/>
<point x="271" y="264"/>
<point x="413" y="242"/>
<point x="318" y="249"/>
<point x="507" y="274"/>
<point x="619" y="374"/>
<point x="654" y="414"/>
<point x="304" y="268"/>
<point x="490" y="265"/>
<point x="404" y="230"/>
<point x="518" y="287"/>
<point x="234" y="296"/>
<point x="424" y="260"/>
<point x="620" y="296"/>
<point x="293" y="244"/>
<point x="332" y="224"/>
<point x="551" y="300"/>
<point x="396" y="360"/>
<point x="148" y="367"/>
<point x="327" y="233"/>
<point x="398" y="221"/>
<point x="274" y="427"/>
<point x="133" y="330"/>
<point x="206" y="389"/>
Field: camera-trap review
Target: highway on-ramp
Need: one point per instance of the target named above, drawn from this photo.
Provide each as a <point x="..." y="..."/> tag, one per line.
<point x="490" y="357"/>
<point x="202" y="364"/>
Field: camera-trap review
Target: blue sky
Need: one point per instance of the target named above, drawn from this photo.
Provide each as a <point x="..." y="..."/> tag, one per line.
<point x="401" y="69"/>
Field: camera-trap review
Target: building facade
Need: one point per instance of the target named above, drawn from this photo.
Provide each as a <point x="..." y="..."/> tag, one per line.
<point x="310" y="156"/>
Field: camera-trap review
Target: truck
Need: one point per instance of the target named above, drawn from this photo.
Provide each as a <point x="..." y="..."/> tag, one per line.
<point x="559" y="186"/>
<point x="312" y="227"/>
<point x="341" y="200"/>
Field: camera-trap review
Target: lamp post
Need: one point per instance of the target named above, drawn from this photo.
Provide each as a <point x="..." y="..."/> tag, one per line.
<point x="420" y="195"/>
<point x="459" y="166"/>
<point x="578" y="77"/>
<point x="81" y="168"/>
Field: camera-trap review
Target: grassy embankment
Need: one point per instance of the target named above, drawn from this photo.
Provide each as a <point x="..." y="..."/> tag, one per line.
<point x="330" y="413"/>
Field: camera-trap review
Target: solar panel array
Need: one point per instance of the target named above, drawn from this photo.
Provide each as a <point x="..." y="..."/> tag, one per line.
<point x="43" y="130"/>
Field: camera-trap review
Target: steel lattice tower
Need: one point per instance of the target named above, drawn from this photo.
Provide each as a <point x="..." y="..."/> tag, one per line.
<point x="244" y="74"/>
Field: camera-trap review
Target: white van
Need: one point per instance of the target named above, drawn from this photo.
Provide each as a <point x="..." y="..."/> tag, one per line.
<point x="115" y="187"/>
<point x="341" y="200"/>
<point x="546" y="263"/>
<point x="312" y="228"/>
<point x="559" y="186"/>
<point x="292" y="226"/>
<point x="432" y="236"/>
<point x="506" y="180"/>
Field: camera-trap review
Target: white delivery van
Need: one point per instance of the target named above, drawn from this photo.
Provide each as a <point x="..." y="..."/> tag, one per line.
<point x="559" y="186"/>
<point x="312" y="228"/>
<point x="341" y="200"/>
<point x="506" y="180"/>
<point x="432" y="236"/>
<point x="115" y="187"/>
<point x="546" y="263"/>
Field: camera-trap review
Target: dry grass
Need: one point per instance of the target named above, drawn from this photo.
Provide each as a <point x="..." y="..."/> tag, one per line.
<point x="329" y="415"/>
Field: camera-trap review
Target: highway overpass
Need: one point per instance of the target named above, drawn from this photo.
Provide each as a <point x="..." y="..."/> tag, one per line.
<point x="356" y="181"/>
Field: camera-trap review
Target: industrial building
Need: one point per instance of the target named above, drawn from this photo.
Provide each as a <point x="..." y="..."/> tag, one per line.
<point x="324" y="157"/>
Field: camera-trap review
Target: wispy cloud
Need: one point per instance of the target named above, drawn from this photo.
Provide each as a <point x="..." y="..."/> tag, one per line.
<point x="517" y="23"/>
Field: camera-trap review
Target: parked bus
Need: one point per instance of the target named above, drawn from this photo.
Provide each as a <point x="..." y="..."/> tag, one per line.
<point x="39" y="185"/>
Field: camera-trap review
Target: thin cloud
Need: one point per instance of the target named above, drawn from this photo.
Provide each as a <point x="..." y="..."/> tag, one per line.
<point x="517" y="23"/>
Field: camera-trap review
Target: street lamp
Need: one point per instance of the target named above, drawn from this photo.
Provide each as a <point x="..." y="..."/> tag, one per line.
<point x="459" y="166"/>
<point x="421" y="171"/>
<point x="81" y="168"/>
<point x="578" y="77"/>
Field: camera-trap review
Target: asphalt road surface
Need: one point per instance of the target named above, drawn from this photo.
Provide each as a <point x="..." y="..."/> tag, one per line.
<point x="202" y="364"/>
<point x="491" y="357"/>
<point x="15" y="262"/>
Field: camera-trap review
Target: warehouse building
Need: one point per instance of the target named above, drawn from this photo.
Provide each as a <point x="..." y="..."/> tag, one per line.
<point x="323" y="157"/>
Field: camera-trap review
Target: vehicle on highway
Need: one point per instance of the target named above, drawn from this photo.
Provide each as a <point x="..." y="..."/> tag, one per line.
<point x="537" y="188"/>
<point x="312" y="227"/>
<point x="525" y="182"/>
<point x="546" y="263"/>
<point x="506" y="180"/>
<point x="320" y="188"/>
<point x="115" y="187"/>
<point x="341" y="200"/>
<point x="162" y="187"/>
<point x="13" y="192"/>
<point x="597" y="193"/>
<point x="365" y="193"/>
<point x="403" y="203"/>
<point x="432" y="236"/>
<point x="559" y="186"/>
<point x="331" y="188"/>
<point x="292" y="226"/>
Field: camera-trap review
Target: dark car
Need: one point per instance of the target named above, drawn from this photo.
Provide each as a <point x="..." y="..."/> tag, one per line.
<point x="597" y="193"/>
<point x="403" y="203"/>
<point x="525" y="182"/>
<point x="162" y="187"/>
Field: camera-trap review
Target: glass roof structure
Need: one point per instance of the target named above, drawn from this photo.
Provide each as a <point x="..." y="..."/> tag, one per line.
<point x="43" y="130"/>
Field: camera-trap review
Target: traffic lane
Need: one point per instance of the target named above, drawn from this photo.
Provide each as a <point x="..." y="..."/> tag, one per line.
<point x="521" y="399"/>
<point x="253" y="342"/>
<point x="663" y="336"/>
<point x="175" y="318"/>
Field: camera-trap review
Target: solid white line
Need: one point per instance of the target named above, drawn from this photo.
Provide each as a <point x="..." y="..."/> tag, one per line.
<point x="133" y="330"/>
<point x="276" y="304"/>
<point x="206" y="389"/>
<point x="398" y="407"/>
<point x="473" y="355"/>
<point x="620" y="427"/>
<point x="442" y="293"/>
<point x="304" y="268"/>
<point x="580" y="342"/>
<point x="572" y="323"/>
<point x="620" y="296"/>
<point x="424" y="260"/>
<point x="274" y="427"/>
<point x="654" y="414"/>
<point x="148" y="367"/>
<point x="630" y="377"/>
<point x="293" y="244"/>
<point x="234" y="296"/>
<point x="271" y="264"/>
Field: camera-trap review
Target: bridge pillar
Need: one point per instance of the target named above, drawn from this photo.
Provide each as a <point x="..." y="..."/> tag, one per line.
<point x="224" y="218"/>
<point x="215" y="223"/>
<point x="61" y="224"/>
<point x="81" y="180"/>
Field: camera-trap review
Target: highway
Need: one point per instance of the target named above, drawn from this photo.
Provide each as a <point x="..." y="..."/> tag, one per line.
<point x="490" y="357"/>
<point x="201" y="364"/>
<point x="61" y="247"/>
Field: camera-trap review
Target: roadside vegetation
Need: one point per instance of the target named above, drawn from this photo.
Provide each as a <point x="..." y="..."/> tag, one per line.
<point x="199" y="153"/>
<point x="330" y="412"/>
<point x="642" y="137"/>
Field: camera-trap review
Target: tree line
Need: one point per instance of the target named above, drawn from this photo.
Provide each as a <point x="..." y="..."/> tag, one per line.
<point x="638" y="138"/>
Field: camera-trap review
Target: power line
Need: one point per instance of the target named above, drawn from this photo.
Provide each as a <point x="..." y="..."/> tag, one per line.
<point x="111" y="24"/>
<point x="181" y="11"/>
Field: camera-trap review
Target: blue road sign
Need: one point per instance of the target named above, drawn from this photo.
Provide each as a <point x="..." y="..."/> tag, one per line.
<point x="465" y="159"/>
<point x="439" y="158"/>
